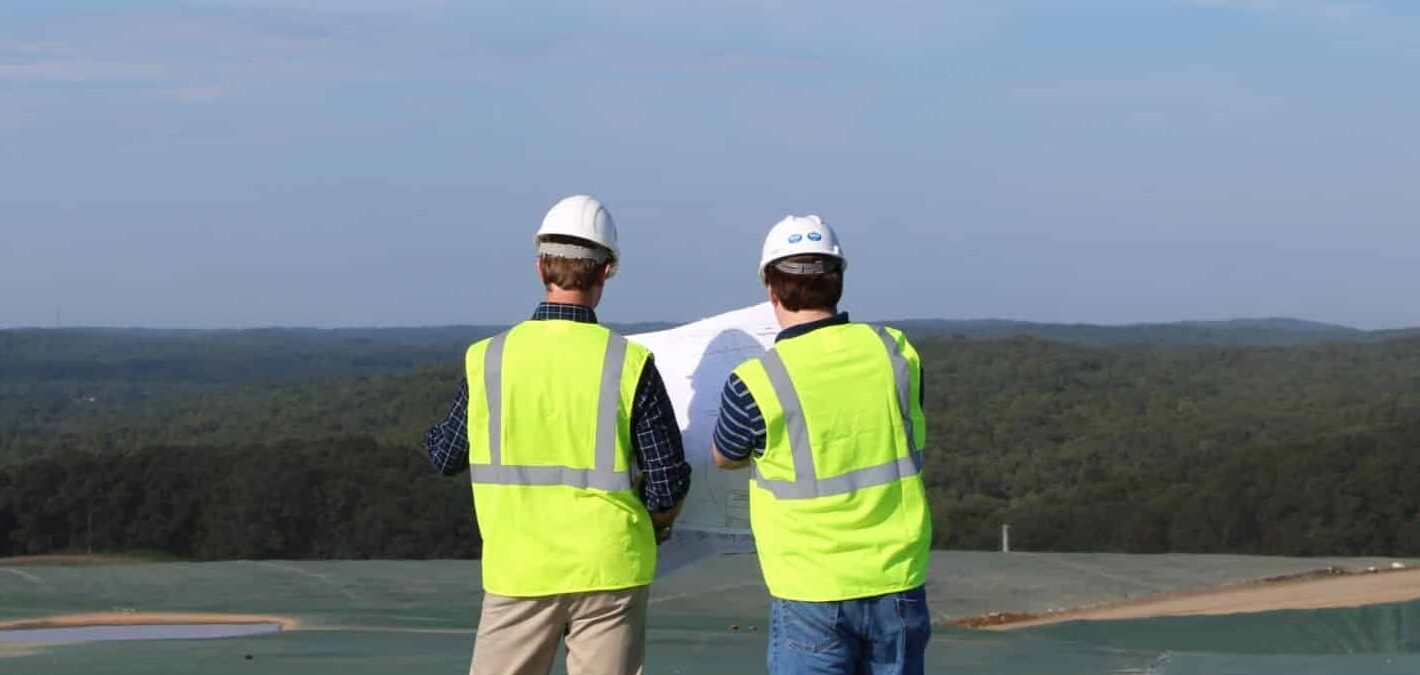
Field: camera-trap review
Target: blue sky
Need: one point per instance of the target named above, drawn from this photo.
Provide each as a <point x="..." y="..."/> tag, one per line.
<point x="364" y="162"/>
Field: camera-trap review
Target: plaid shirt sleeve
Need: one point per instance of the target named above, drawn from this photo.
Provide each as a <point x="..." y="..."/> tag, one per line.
<point x="656" y="440"/>
<point x="447" y="441"/>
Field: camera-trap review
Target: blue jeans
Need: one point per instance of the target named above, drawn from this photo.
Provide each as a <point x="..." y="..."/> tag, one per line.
<point x="882" y="635"/>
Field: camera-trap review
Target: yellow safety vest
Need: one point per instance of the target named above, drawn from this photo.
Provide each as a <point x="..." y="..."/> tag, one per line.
<point x="837" y="502"/>
<point x="549" y="408"/>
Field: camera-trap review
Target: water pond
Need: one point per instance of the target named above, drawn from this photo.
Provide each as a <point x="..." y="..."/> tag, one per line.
<point x="175" y="631"/>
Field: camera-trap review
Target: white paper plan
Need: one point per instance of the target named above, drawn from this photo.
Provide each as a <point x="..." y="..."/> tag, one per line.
<point x="695" y="360"/>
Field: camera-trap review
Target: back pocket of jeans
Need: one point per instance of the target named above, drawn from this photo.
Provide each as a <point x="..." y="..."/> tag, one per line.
<point x="810" y="626"/>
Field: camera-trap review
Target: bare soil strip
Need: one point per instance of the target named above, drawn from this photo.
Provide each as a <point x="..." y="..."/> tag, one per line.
<point x="1316" y="590"/>
<point x="13" y="649"/>
<point x="146" y="619"/>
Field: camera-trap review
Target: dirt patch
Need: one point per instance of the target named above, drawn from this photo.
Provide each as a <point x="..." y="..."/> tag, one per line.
<point x="1314" y="590"/>
<point x="13" y="649"/>
<point x="146" y="618"/>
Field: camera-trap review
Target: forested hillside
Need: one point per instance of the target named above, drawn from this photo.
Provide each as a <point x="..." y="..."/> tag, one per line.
<point x="125" y="388"/>
<point x="1308" y="449"/>
<point x="1253" y="332"/>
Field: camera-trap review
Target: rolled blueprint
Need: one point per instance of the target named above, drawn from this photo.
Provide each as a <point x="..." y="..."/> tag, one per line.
<point x="695" y="360"/>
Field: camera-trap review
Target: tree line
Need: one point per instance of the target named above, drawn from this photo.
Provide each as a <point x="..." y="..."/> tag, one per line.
<point x="332" y="499"/>
<point x="1297" y="450"/>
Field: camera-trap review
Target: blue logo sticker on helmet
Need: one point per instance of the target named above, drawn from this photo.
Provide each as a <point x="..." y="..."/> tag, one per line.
<point x="796" y="238"/>
<point x="814" y="236"/>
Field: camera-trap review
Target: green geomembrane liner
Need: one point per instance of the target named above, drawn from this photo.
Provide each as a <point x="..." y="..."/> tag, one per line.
<point x="392" y="616"/>
<point x="1377" y="629"/>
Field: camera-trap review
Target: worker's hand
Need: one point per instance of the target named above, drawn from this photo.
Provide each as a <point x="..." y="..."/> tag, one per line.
<point x="661" y="523"/>
<point x="724" y="462"/>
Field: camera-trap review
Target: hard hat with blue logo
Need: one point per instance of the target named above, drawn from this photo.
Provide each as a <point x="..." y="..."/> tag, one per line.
<point x="801" y="235"/>
<point x="583" y="220"/>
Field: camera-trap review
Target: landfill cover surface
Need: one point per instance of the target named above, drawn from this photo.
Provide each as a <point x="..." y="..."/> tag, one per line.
<point x="418" y="616"/>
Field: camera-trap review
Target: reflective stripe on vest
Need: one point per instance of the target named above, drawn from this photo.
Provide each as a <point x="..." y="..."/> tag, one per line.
<point x="806" y="483"/>
<point x="603" y="477"/>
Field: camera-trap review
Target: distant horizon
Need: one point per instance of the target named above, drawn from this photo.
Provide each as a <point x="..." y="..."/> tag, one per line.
<point x="611" y="320"/>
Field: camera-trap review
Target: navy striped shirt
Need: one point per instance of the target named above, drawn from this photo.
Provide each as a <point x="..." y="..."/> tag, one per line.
<point x="655" y="437"/>
<point x="741" y="430"/>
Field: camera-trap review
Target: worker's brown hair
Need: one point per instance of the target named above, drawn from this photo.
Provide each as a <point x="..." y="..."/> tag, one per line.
<point x="570" y="274"/>
<point x="797" y="292"/>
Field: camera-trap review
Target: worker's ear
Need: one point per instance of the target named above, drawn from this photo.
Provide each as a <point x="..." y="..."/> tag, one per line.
<point x="606" y="271"/>
<point x="537" y="267"/>
<point x="773" y="299"/>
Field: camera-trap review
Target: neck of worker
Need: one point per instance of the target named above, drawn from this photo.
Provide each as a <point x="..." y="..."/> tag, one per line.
<point x="788" y="319"/>
<point x="589" y="298"/>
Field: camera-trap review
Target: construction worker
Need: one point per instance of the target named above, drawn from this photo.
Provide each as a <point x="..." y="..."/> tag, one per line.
<point x="831" y="420"/>
<point x="554" y="418"/>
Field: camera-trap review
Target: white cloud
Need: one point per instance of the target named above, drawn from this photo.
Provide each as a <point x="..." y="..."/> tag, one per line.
<point x="1174" y="87"/>
<point x="205" y="93"/>
<point x="71" y="71"/>
<point x="262" y="42"/>
<point x="1323" y="10"/>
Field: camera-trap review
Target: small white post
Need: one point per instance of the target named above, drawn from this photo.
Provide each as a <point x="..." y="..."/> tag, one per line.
<point x="1005" y="538"/>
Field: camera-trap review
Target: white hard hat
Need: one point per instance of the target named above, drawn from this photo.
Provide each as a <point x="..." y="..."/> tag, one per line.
<point x="580" y="217"/>
<point x="800" y="235"/>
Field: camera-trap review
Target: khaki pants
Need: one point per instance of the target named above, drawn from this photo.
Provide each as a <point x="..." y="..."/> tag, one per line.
<point x="605" y="633"/>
